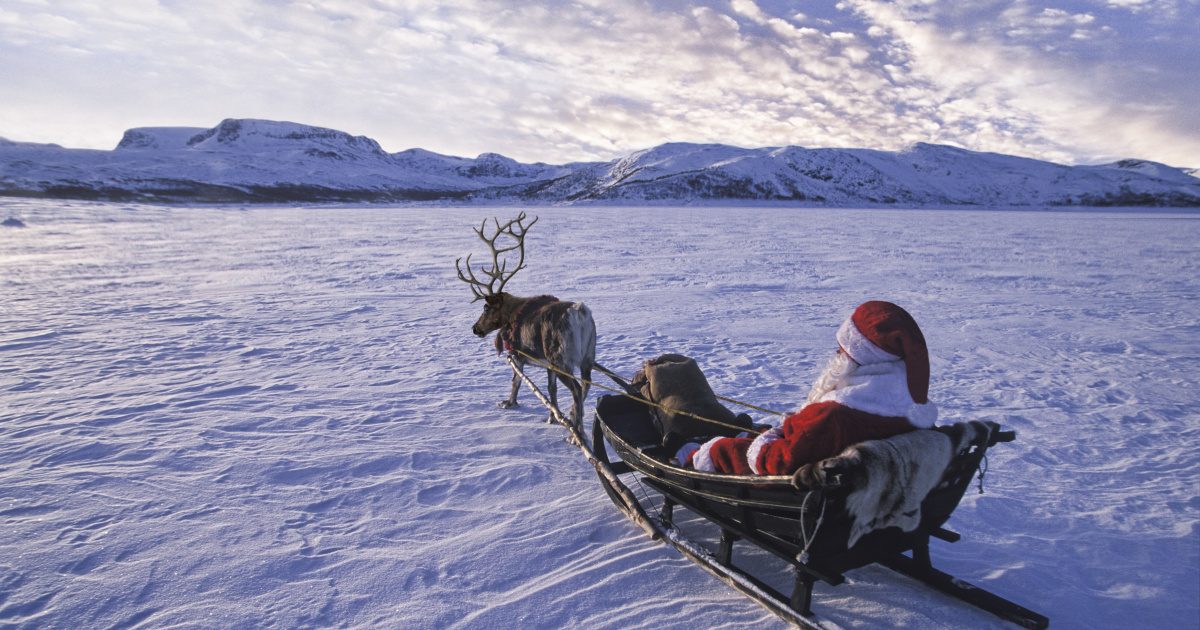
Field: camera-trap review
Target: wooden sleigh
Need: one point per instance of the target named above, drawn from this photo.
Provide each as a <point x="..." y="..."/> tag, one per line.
<point x="782" y="519"/>
<point x="805" y="524"/>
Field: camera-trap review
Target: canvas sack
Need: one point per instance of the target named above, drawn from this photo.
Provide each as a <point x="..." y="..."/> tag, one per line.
<point x="676" y="382"/>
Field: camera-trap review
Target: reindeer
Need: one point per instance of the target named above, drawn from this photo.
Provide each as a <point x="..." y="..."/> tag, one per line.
<point x="543" y="329"/>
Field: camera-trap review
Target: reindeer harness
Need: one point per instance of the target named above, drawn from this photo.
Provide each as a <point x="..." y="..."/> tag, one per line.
<point x="507" y="340"/>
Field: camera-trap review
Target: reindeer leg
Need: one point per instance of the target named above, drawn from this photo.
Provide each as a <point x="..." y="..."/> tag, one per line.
<point x="581" y="394"/>
<point x="576" y="399"/>
<point x="511" y="402"/>
<point x="585" y="380"/>
<point x="552" y="390"/>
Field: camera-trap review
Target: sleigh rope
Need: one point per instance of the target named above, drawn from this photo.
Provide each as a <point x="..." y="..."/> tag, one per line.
<point x="775" y="513"/>
<point x="626" y="393"/>
<point x="808" y="569"/>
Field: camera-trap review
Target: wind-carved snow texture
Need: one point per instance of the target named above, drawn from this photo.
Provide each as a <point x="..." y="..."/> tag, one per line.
<point x="279" y="417"/>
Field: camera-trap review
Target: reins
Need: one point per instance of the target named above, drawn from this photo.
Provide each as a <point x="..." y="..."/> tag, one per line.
<point x="749" y="406"/>
<point x="627" y="392"/>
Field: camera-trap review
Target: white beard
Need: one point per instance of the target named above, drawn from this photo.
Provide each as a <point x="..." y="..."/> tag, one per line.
<point x="878" y="388"/>
<point x="839" y="368"/>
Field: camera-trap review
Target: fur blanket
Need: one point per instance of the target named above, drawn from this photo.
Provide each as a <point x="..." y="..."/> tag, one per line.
<point x="895" y="475"/>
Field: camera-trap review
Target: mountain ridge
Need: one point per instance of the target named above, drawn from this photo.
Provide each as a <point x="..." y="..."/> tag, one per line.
<point x="252" y="160"/>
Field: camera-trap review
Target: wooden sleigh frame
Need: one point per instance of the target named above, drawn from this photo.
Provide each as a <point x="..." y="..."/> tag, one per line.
<point x="772" y="514"/>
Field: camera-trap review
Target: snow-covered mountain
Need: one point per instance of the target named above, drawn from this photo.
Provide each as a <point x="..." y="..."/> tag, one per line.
<point x="260" y="160"/>
<point x="251" y="160"/>
<point x="924" y="174"/>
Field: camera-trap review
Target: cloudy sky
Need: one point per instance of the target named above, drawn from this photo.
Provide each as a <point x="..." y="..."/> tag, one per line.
<point x="1076" y="81"/>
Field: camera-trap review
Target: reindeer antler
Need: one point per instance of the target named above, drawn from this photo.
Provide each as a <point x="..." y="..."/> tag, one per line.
<point x="499" y="269"/>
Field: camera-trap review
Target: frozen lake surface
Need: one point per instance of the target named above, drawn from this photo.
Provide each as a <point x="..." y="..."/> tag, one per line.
<point x="278" y="417"/>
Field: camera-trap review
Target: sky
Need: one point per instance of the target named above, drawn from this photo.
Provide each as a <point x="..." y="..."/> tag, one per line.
<point x="1077" y="81"/>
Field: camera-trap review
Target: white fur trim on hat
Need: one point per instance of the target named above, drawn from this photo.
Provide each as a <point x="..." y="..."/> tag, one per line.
<point x="881" y="389"/>
<point x="861" y="349"/>
<point x="702" y="460"/>
<point x="756" y="447"/>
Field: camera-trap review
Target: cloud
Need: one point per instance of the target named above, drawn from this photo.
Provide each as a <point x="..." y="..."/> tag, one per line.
<point x="749" y="9"/>
<point x="1138" y="6"/>
<point x="594" y="79"/>
<point x="1011" y="78"/>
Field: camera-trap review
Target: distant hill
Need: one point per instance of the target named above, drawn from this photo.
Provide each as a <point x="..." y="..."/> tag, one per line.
<point x="246" y="160"/>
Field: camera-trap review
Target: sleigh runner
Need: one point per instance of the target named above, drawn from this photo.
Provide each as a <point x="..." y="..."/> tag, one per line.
<point x="804" y="524"/>
<point x="891" y="489"/>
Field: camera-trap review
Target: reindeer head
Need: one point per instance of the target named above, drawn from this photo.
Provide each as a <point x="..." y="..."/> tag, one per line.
<point x="497" y="309"/>
<point x="494" y="314"/>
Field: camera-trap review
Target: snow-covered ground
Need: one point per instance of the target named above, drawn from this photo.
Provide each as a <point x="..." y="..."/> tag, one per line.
<point x="278" y="417"/>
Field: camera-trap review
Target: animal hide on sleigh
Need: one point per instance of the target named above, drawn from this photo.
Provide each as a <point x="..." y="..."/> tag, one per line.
<point x="895" y="475"/>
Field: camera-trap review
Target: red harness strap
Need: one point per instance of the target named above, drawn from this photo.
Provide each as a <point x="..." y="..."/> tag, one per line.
<point x="508" y="339"/>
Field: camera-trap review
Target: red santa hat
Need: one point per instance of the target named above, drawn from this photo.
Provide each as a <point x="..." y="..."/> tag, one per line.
<point x="879" y="332"/>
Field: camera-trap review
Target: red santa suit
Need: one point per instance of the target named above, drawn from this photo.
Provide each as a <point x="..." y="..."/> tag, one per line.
<point x="878" y="389"/>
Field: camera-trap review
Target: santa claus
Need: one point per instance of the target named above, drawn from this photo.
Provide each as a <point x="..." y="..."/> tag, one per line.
<point x="876" y="386"/>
